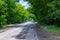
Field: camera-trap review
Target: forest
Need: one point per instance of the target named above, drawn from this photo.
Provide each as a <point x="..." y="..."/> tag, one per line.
<point x="12" y="12"/>
<point x="45" y="12"/>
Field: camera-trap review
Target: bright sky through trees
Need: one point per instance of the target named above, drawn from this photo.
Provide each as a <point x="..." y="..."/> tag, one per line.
<point x="24" y="3"/>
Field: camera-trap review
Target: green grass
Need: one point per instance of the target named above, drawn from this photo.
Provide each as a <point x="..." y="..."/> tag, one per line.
<point x="7" y="25"/>
<point x="52" y="28"/>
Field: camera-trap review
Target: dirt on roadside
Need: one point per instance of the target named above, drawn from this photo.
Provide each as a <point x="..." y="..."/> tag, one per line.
<point x="46" y="35"/>
<point x="4" y="29"/>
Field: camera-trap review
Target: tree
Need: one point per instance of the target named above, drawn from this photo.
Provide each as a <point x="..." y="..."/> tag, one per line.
<point x="46" y="11"/>
<point x="3" y="13"/>
<point x="24" y="14"/>
<point x="11" y="11"/>
<point x="20" y="11"/>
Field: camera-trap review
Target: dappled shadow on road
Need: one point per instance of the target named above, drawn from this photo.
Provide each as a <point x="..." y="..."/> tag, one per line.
<point x="23" y="33"/>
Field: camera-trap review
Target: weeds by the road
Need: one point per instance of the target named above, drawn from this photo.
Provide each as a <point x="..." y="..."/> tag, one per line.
<point x="52" y="28"/>
<point x="5" y="26"/>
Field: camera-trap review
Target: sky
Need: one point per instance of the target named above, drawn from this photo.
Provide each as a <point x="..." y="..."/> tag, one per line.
<point x="24" y="3"/>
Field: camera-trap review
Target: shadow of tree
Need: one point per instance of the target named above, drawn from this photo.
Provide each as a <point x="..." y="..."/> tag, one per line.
<point x="22" y="35"/>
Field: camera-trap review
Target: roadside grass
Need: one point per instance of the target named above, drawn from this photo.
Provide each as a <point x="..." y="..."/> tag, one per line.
<point x="5" y="26"/>
<point x="52" y="28"/>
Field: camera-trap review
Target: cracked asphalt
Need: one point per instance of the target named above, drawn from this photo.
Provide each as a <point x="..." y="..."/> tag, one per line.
<point x="27" y="31"/>
<point x="24" y="31"/>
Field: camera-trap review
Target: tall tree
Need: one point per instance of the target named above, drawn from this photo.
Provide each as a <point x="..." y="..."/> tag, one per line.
<point x="3" y="13"/>
<point x="11" y="5"/>
<point x="46" y="11"/>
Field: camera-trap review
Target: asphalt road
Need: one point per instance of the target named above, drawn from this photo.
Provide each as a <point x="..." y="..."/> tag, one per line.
<point x="24" y="31"/>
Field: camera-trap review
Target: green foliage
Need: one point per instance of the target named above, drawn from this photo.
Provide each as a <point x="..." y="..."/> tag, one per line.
<point x="25" y="15"/>
<point x="55" y="12"/>
<point x="12" y="12"/>
<point x="52" y="28"/>
<point x="46" y="11"/>
<point x="17" y="0"/>
<point x="3" y="13"/>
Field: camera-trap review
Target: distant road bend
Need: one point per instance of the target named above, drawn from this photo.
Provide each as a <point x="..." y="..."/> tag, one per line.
<point x="26" y="31"/>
